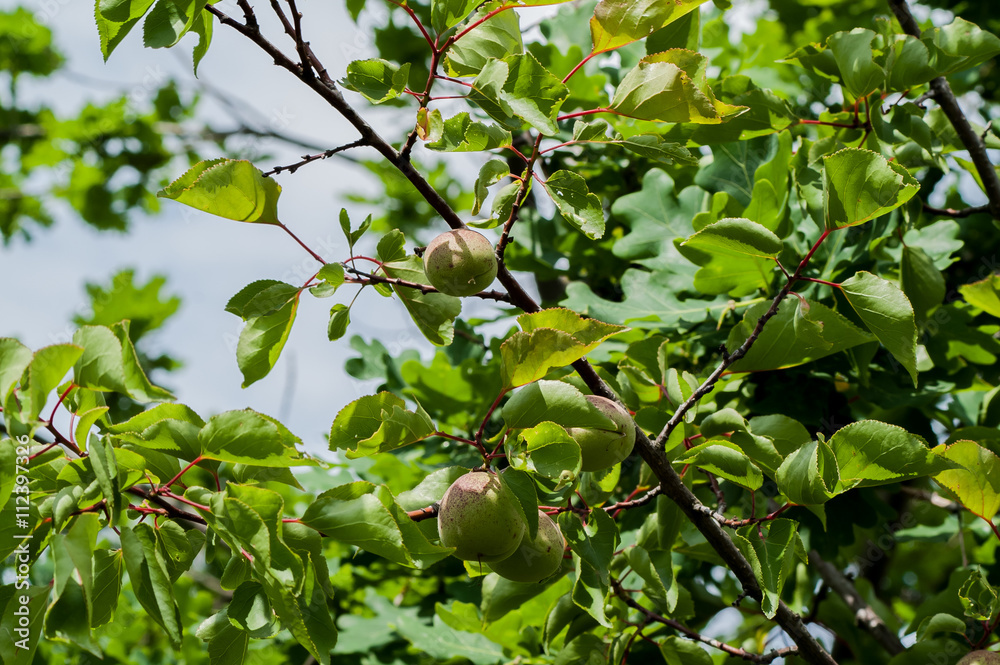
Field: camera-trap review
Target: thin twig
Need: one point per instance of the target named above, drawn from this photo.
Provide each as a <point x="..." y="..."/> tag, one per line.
<point x="864" y="615"/>
<point x="957" y="214"/>
<point x="368" y="278"/>
<point x="946" y="99"/>
<point x="698" y="637"/>
<point x="306" y="159"/>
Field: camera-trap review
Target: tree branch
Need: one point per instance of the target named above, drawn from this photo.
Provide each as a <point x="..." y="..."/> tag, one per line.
<point x="949" y="105"/>
<point x="306" y="159"/>
<point x="698" y="637"/>
<point x="672" y="485"/>
<point x="172" y="510"/>
<point x="864" y="615"/>
<point x="423" y="288"/>
<point x="957" y="214"/>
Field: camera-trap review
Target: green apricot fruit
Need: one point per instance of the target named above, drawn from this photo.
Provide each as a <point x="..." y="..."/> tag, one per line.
<point x="534" y="560"/>
<point x="479" y="517"/>
<point x="981" y="658"/>
<point x="460" y="262"/>
<point x="603" y="448"/>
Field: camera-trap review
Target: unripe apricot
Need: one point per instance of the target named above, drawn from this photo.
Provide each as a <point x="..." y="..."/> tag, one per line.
<point x="460" y="262"/>
<point x="980" y="658"/>
<point x="479" y="517"/>
<point x="534" y="560"/>
<point x="603" y="448"/>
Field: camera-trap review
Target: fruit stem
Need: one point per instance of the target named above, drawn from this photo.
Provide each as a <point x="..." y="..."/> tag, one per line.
<point x="482" y="426"/>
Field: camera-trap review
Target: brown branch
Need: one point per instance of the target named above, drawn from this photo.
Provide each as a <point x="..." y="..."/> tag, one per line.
<point x="306" y="159"/>
<point x="172" y="510"/>
<point x="424" y="513"/>
<point x="698" y="637"/>
<point x="949" y="105"/>
<point x="957" y="214"/>
<point x="328" y="91"/>
<point x="864" y="615"/>
<point x="933" y="498"/>
<point x="369" y="278"/>
<point x="615" y="508"/>
<point x="62" y="440"/>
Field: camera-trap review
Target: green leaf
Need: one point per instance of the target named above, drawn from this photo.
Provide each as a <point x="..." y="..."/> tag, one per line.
<point x="620" y="22"/>
<point x="922" y="283"/>
<point x="977" y="482"/>
<point x="595" y="543"/>
<point x="578" y="206"/>
<point x="433" y="313"/>
<point x="588" y="331"/>
<point x="229" y="188"/>
<point x="105" y="465"/>
<point x="679" y="651"/>
<point x="650" y="302"/>
<point x="340" y="318"/>
<point x="860" y="185"/>
<point x="172" y="428"/>
<point x="671" y="87"/>
<point x="726" y="460"/>
<point x="491" y="173"/>
<point x="552" y="452"/>
<point x="760" y="449"/>
<point x="363" y="521"/>
<point x="550" y="338"/>
<point x="809" y="476"/>
<point x="872" y="453"/>
<point x="441" y="642"/>
<point x="169" y="21"/>
<point x="446" y="13"/>
<point x="461" y="133"/>
<point x="658" y="575"/>
<point x="251" y="611"/>
<point x="249" y="437"/>
<point x="940" y="623"/>
<point x="262" y="339"/>
<point x="522" y="487"/>
<point x="203" y="28"/>
<point x="529" y="356"/>
<point x="553" y="401"/>
<point x="109" y="566"/>
<point x="227" y="644"/>
<point x="376" y="424"/>
<point x="377" y="80"/>
<point x="736" y="257"/>
<point x="497" y="37"/>
<point x="46" y="370"/>
<point x="11" y="601"/>
<point x="797" y="334"/>
<point x="115" y="18"/>
<point x="852" y="51"/>
<point x="261" y="298"/>
<point x="14" y="360"/>
<point x="984" y="294"/>
<point x="518" y="85"/>
<point x="69" y="614"/>
<point x="887" y="312"/>
<point x="391" y="246"/>
<point x="137" y="384"/>
<point x="772" y="557"/>
<point x="149" y="579"/>
<point x="979" y="598"/>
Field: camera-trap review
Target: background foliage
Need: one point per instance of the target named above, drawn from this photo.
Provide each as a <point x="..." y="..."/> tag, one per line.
<point x="775" y="253"/>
